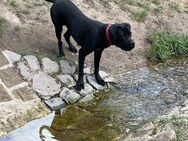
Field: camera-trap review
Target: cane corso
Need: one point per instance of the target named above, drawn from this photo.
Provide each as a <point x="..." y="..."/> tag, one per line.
<point x="91" y="35"/>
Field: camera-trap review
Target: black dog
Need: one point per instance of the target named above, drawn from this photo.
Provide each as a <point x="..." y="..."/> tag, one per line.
<point x="90" y="34"/>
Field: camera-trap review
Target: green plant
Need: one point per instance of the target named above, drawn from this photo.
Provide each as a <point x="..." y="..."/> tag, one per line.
<point x="13" y="3"/>
<point x="140" y="16"/>
<point x="174" y="6"/>
<point x="2" y="21"/>
<point x="164" y="45"/>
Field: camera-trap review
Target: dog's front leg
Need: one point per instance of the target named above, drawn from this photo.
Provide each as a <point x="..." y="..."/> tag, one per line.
<point x="97" y="57"/>
<point x="82" y="54"/>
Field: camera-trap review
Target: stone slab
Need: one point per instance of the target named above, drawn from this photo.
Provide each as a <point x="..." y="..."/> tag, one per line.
<point x="67" y="67"/>
<point x="10" y="77"/>
<point x="94" y="83"/>
<point x="32" y="62"/>
<point x="55" y="103"/>
<point x="4" y="96"/>
<point x="12" y="56"/>
<point x="67" y="80"/>
<point x="24" y="94"/>
<point x="3" y="60"/>
<point x="49" y="66"/>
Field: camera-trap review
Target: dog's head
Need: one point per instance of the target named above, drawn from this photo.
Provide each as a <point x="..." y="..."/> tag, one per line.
<point x="121" y="36"/>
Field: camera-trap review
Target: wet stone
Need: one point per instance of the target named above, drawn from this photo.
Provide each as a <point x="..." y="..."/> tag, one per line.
<point x="12" y="56"/>
<point x="24" y="94"/>
<point x="67" y="80"/>
<point x="10" y="77"/>
<point x="3" y="60"/>
<point x="88" y="90"/>
<point x="69" y="95"/>
<point x="55" y="103"/>
<point x="94" y="83"/>
<point x="4" y="95"/>
<point x="67" y="68"/>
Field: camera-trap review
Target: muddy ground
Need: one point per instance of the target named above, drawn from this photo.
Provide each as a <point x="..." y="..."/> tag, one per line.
<point x="28" y="28"/>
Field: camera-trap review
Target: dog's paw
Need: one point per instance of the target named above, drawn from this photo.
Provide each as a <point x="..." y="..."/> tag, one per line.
<point x="73" y="49"/>
<point x="79" y="86"/>
<point x="101" y="82"/>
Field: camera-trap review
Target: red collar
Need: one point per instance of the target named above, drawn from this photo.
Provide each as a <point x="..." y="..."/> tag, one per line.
<point x="107" y="35"/>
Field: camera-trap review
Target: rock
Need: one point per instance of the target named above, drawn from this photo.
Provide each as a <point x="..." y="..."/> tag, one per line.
<point x="88" y="89"/>
<point x="32" y="62"/>
<point x="67" y="80"/>
<point x="110" y="80"/>
<point x="45" y="85"/>
<point x="94" y="83"/>
<point x="49" y="66"/>
<point x="87" y="70"/>
<point x="12" y="56"/>
<point x="55" y="103"/>
<point x="24" y="71"/>
<point x="87" y="98"/>
<point x="103" y="74"/>
<point x="69" y="95"/>
<point x="67" y="68"/>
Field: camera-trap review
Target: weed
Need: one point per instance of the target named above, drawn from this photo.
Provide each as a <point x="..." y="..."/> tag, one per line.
<point x="13" y="3"/>
<point x="140" y="16"/>
<point x="164" y="45"/>
<point x="2" y="22"/>
<point x="174" y="6"/>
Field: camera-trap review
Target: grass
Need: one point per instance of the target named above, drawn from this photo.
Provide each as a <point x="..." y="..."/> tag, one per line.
<point x="175" y="6"/>
<point x="165" y="45"/>
<point x="13" y="3"/>
<point x="140" y="16"/>
<point x="178" y="125"/>
<point x="2" y="22"/>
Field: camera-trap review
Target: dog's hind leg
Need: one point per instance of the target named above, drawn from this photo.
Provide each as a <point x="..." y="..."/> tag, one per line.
<point x="71" y="46"/>
<point x="58" y="31"/>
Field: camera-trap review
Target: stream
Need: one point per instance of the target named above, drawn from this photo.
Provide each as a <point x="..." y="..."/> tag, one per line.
<point x="140" y="96"/>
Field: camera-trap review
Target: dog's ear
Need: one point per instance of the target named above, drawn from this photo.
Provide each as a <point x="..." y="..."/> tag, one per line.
<point x="127" y="26"/>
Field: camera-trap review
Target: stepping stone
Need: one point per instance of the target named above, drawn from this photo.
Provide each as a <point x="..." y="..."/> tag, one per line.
<point x="87" y="98"/>
<point x="103" y="74"/>
<point x="3" y="60"/>
<point x="45" y="85"/>
<point x="24" y="71"/>
<point x="55" y="104"/>
<point x="24" y="94"/>
<point x="67" y="80"/>
<point x="10" y="77"/>
<point x="88" y="90"/>
<point x="4" y="96"/>
<point x="66" y="67"/>
<point x="69" y="95"/>
<point x="32" y="62"/>
<point x="12" y="56"/>
<point x="94" y="83"/>
<point x="49" y="66"/>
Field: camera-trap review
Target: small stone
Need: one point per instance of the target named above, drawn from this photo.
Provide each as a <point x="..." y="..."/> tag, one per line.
<point x="87" y="98"/>
<point x="24" y="71"/>
<point x="67" y="80"/>
<point x="55" y="103"/>
<point x="49" y="66"/>
<point x="88" y="89"/>
<point x="103" y="74"/>
<point x="32" y="62"/>
<point x="94" y="83"/>
<point x="87" y="70"/>
<point x="45" y="85"/>
<point x="67" y="68"/>
<point x="12" y="56"/>
<point x="69" y="95"/>
<point x="110" y="80"/>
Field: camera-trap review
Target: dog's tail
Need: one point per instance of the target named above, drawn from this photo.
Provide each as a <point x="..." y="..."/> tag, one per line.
<point x="52" y="1"/>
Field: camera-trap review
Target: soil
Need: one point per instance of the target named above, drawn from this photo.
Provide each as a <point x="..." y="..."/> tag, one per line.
<point x="28" y="28"/>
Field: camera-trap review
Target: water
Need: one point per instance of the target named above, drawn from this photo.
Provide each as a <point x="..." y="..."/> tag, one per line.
<point x="139" y="97"/>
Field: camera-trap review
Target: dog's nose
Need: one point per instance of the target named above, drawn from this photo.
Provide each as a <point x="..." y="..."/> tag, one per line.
<point x="133" y="44"/>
